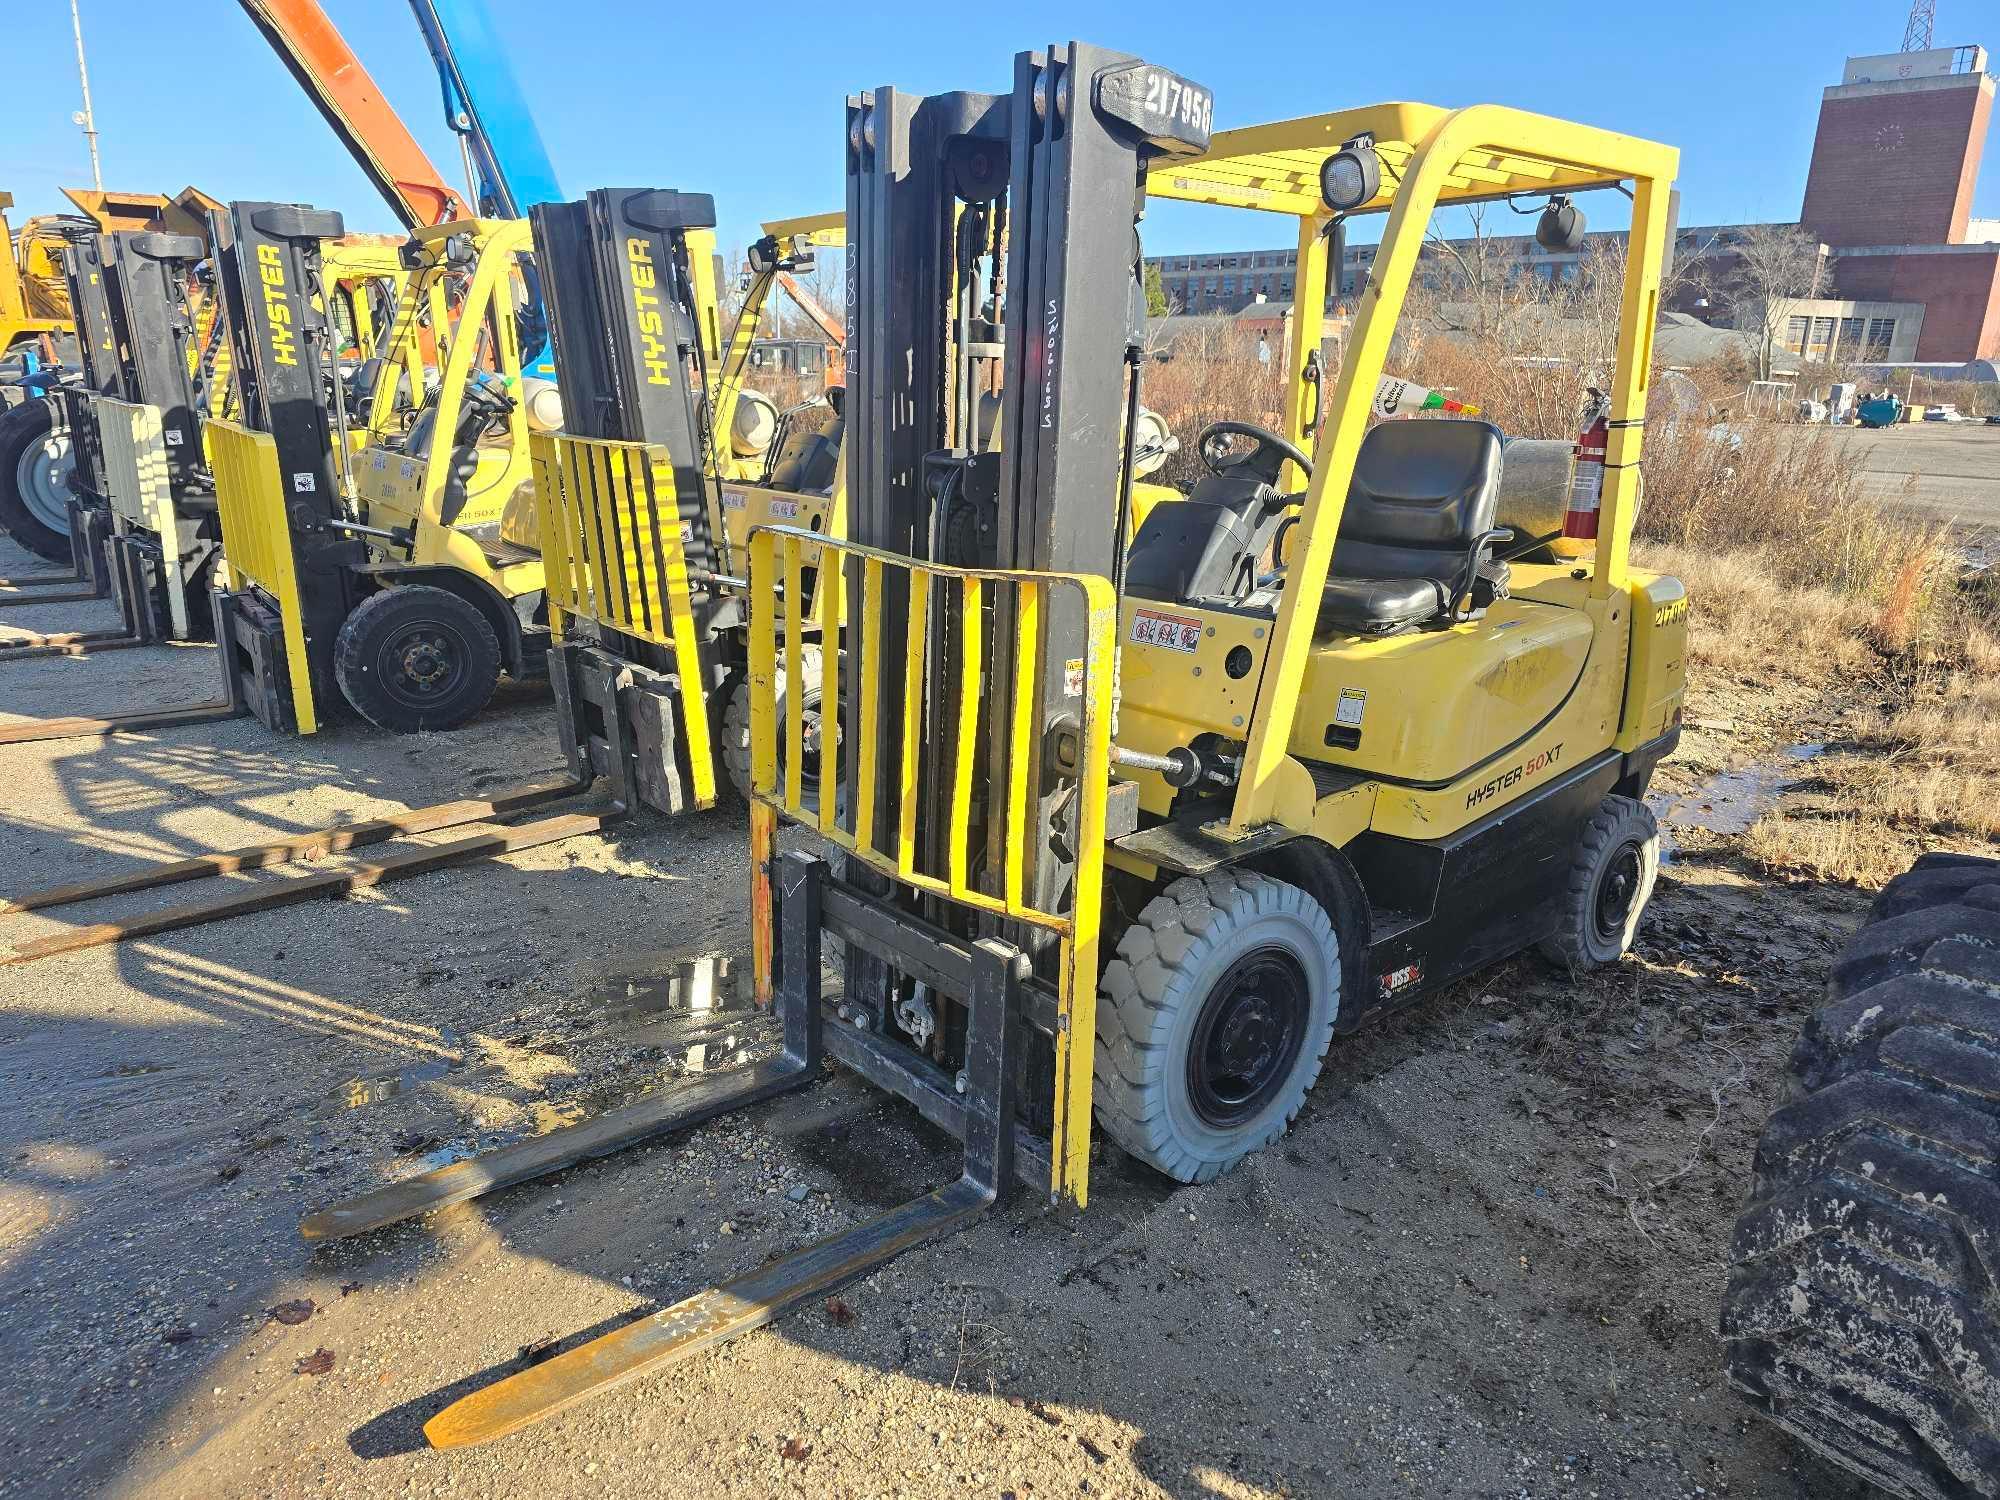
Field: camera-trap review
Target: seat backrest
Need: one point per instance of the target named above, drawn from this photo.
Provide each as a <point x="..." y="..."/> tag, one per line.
<point x="809" y="460"/>
<point x="1424" y="490"/>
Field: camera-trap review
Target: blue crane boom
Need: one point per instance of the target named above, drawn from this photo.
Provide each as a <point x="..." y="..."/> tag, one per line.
<point x="484" y="105"/>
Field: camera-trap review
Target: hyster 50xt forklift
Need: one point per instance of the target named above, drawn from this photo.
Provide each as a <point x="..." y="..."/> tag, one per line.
<point x="1300" y="754"/>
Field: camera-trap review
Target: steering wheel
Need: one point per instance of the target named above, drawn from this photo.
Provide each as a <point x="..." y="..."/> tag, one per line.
<point x="1264" y="461"/>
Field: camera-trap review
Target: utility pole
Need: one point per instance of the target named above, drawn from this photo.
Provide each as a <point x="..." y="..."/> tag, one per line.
<point x="84" y="116"/>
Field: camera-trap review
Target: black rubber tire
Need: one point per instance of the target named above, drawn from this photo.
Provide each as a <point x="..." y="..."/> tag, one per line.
<point x="30" y="422"/>
<point x="736" y="725"/>
<point x="369" y="660"/>
<point x="1186" y="942"/>
<point x="1863" y="1307"/>
<point x="1621" y="842"/>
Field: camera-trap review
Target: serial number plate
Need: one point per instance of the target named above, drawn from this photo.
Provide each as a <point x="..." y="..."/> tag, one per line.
<point x="1172" y="632"/>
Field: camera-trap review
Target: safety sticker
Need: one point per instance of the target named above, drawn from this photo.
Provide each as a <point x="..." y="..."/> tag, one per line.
<point x="304" y="482"/>
<point x="1353" y="703"/>
<point x="784" y="510"/>
<point x="1175" y="632"/>
<point x="734" y="500"/>
<point x="1073" y="677"/>
<point x="174" y="437"/>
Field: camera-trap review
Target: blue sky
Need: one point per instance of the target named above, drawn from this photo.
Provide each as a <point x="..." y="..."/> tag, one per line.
<point x="745" y="101"/>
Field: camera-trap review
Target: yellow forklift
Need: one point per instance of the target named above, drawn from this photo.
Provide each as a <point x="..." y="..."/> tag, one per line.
<point x="1131" y="830"/>
<point x="666" y="462"/>
<point x="398" y="572"/>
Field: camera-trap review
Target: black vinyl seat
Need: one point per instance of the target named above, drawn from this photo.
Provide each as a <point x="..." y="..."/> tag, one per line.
<point x="1419" y="513"/>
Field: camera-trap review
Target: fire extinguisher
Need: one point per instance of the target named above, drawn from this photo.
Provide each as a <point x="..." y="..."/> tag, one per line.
<point x="1586" y="477"/>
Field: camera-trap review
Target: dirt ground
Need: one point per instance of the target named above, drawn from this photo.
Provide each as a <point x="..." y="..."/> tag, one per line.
<point x="1487" y="1262"/>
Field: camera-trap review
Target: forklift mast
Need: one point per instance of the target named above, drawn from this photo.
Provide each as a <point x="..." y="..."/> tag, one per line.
<point x="298" y="543"/>
<point x="151" y="281"/>
<point x="633" y="540"/>
<point x="632" y="347"/>
<point x="90" y="304"/>
<point x="941" y="190"/>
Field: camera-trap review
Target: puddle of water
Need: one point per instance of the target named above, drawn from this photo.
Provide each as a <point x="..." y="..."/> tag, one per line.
<point x="1731" y="802"/>
<point x="693" y="987"/>
<point x="373" y="1088"/>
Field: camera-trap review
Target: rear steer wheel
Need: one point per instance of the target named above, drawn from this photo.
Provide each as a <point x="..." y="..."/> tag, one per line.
<point x="1213" y="1020"/>
<point x="1611" y="877"/>
<point x="35" y="465"/>
<point x="413" y="657"/>
<point x="1863" y="1306"/>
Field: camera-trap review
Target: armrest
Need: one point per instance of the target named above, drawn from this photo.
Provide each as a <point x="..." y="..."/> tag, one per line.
<point x="1481" y="548"/>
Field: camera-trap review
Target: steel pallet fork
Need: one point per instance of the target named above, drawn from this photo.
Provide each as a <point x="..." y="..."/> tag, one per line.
<point x="482" y="837"/>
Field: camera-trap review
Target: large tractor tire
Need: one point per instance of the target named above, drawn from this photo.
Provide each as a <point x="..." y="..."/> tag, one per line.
<point x="35" y="464"/>
<point x="1863" y="1309"/>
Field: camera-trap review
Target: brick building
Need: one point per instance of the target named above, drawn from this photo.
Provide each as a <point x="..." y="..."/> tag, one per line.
<point x="1895" y="161"/>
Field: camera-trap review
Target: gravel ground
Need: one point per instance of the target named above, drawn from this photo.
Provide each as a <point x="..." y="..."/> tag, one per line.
<point x="1486" y="1264"/>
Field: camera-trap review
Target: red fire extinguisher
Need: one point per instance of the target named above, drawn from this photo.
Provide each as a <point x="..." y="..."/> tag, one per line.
<point x="1586" y="478"/>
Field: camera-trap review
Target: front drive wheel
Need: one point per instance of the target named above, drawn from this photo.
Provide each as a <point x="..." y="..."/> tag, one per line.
<point x="1213" y="1020"/>
<point x="413" y="657"/>
<point x="736" y="756"/>
<point x="1611" y="878"/>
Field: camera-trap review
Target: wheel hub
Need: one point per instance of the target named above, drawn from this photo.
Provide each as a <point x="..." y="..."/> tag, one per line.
<point x="1616" y="892"/>
<point x="41" y="474"/>
<point x="424" y="661"/>
<point x="1247" y="1037"/>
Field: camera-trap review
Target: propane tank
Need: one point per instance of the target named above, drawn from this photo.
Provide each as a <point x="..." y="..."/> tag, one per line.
<point x="1586" y="476"/>
<point x="542" y="401"/>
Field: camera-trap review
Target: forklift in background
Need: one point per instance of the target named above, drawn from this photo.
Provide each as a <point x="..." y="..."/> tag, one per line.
<point x="154" y="366"/>
<point x="141" y="513"/>
<point x="329" y="505"/>
<point x="648" y="495"/>
<point x="35" y="452"/>
<point x="1307" y="753"/>
<point x="34" y="311"/>
<point x="396" y="572"/>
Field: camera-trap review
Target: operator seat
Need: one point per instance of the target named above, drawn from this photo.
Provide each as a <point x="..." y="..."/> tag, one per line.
<point x="808" y="460"/>
<point x="1414" y="535"/>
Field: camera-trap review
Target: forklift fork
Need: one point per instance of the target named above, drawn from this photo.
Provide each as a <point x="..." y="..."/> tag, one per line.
<point x="229" y="706"/>
<point x="991" y="973"/>
<point x="89" y="527"/>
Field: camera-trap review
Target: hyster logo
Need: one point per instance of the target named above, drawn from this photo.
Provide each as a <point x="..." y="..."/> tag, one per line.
<point x="277" y="307"/>
<point x="652" y="325"/>
<point x="1506" y="779"/>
